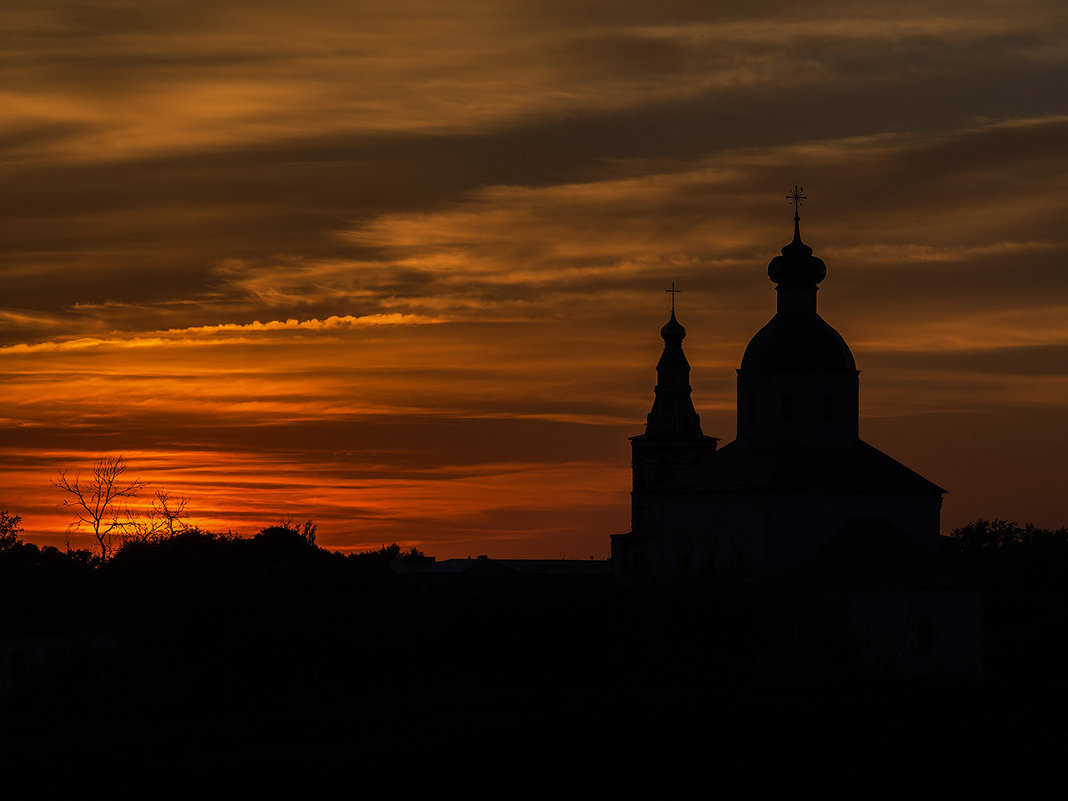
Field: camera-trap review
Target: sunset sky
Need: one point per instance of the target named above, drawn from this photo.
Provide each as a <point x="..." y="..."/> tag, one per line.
<point x="398" y="266"/>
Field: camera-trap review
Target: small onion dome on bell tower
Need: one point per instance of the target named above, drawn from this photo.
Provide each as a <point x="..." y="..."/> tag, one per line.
<point x="673" y="329"/>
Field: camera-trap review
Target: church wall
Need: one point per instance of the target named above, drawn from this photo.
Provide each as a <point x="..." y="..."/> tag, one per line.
<point x="814" y="407"/>
<point x="770" y="534"/>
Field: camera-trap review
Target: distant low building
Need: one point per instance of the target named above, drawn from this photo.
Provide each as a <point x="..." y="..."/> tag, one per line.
<point x="485" y="567"/>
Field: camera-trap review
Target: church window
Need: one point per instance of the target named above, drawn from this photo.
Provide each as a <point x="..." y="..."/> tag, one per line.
<point x="787" y="407"/>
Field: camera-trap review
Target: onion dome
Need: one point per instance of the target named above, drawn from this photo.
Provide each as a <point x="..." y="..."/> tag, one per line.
<point x="673" y="329"/>
<point x="797" y="266"/>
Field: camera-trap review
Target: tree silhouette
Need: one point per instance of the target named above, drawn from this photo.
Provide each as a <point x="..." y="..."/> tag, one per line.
<point x="165" y="519"/>
<point x="306" y="531"/>
<point x="10" y="529"/>
<point x="169" y="512"/>
<point x="97" y="501"/>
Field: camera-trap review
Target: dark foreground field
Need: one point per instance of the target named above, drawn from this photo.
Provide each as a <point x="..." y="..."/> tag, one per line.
<point x="205" y="655"/>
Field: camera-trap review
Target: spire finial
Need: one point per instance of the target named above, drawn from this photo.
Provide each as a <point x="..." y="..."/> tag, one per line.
<point x="673" y="292"/>
<point x="797" y="197"/>
<point x="797" y="266"/>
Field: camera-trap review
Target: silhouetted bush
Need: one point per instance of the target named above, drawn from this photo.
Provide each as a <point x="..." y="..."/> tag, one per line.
<point x="380" y="561"/>
<point x="10" y="530"/>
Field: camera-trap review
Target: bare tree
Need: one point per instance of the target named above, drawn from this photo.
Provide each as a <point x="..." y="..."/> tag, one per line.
<point x="167" y="516"/>
<point x="169" y="513"/>
<point x="165" y="519"/>
<point x="98" y="502"/>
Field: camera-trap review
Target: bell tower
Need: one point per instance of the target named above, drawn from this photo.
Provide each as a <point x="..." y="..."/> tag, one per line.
<point x="673" y="441"/>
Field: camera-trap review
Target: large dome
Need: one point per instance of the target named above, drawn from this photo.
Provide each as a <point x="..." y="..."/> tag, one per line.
<point x="797" y="341"/>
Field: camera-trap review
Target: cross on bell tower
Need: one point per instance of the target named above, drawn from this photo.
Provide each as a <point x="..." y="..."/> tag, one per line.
<point x="673" y="292"/>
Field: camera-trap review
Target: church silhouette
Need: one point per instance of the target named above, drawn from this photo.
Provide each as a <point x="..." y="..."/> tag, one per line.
<point x="798" y="495"/>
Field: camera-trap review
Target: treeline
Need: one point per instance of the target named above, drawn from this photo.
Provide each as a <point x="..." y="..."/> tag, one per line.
<point x="1023" y="572"/>
<point x="189" y="546"/>
<point x="157" y="585"/>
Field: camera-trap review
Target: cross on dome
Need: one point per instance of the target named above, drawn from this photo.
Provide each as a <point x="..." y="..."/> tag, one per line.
<point x="797" y="197"/>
